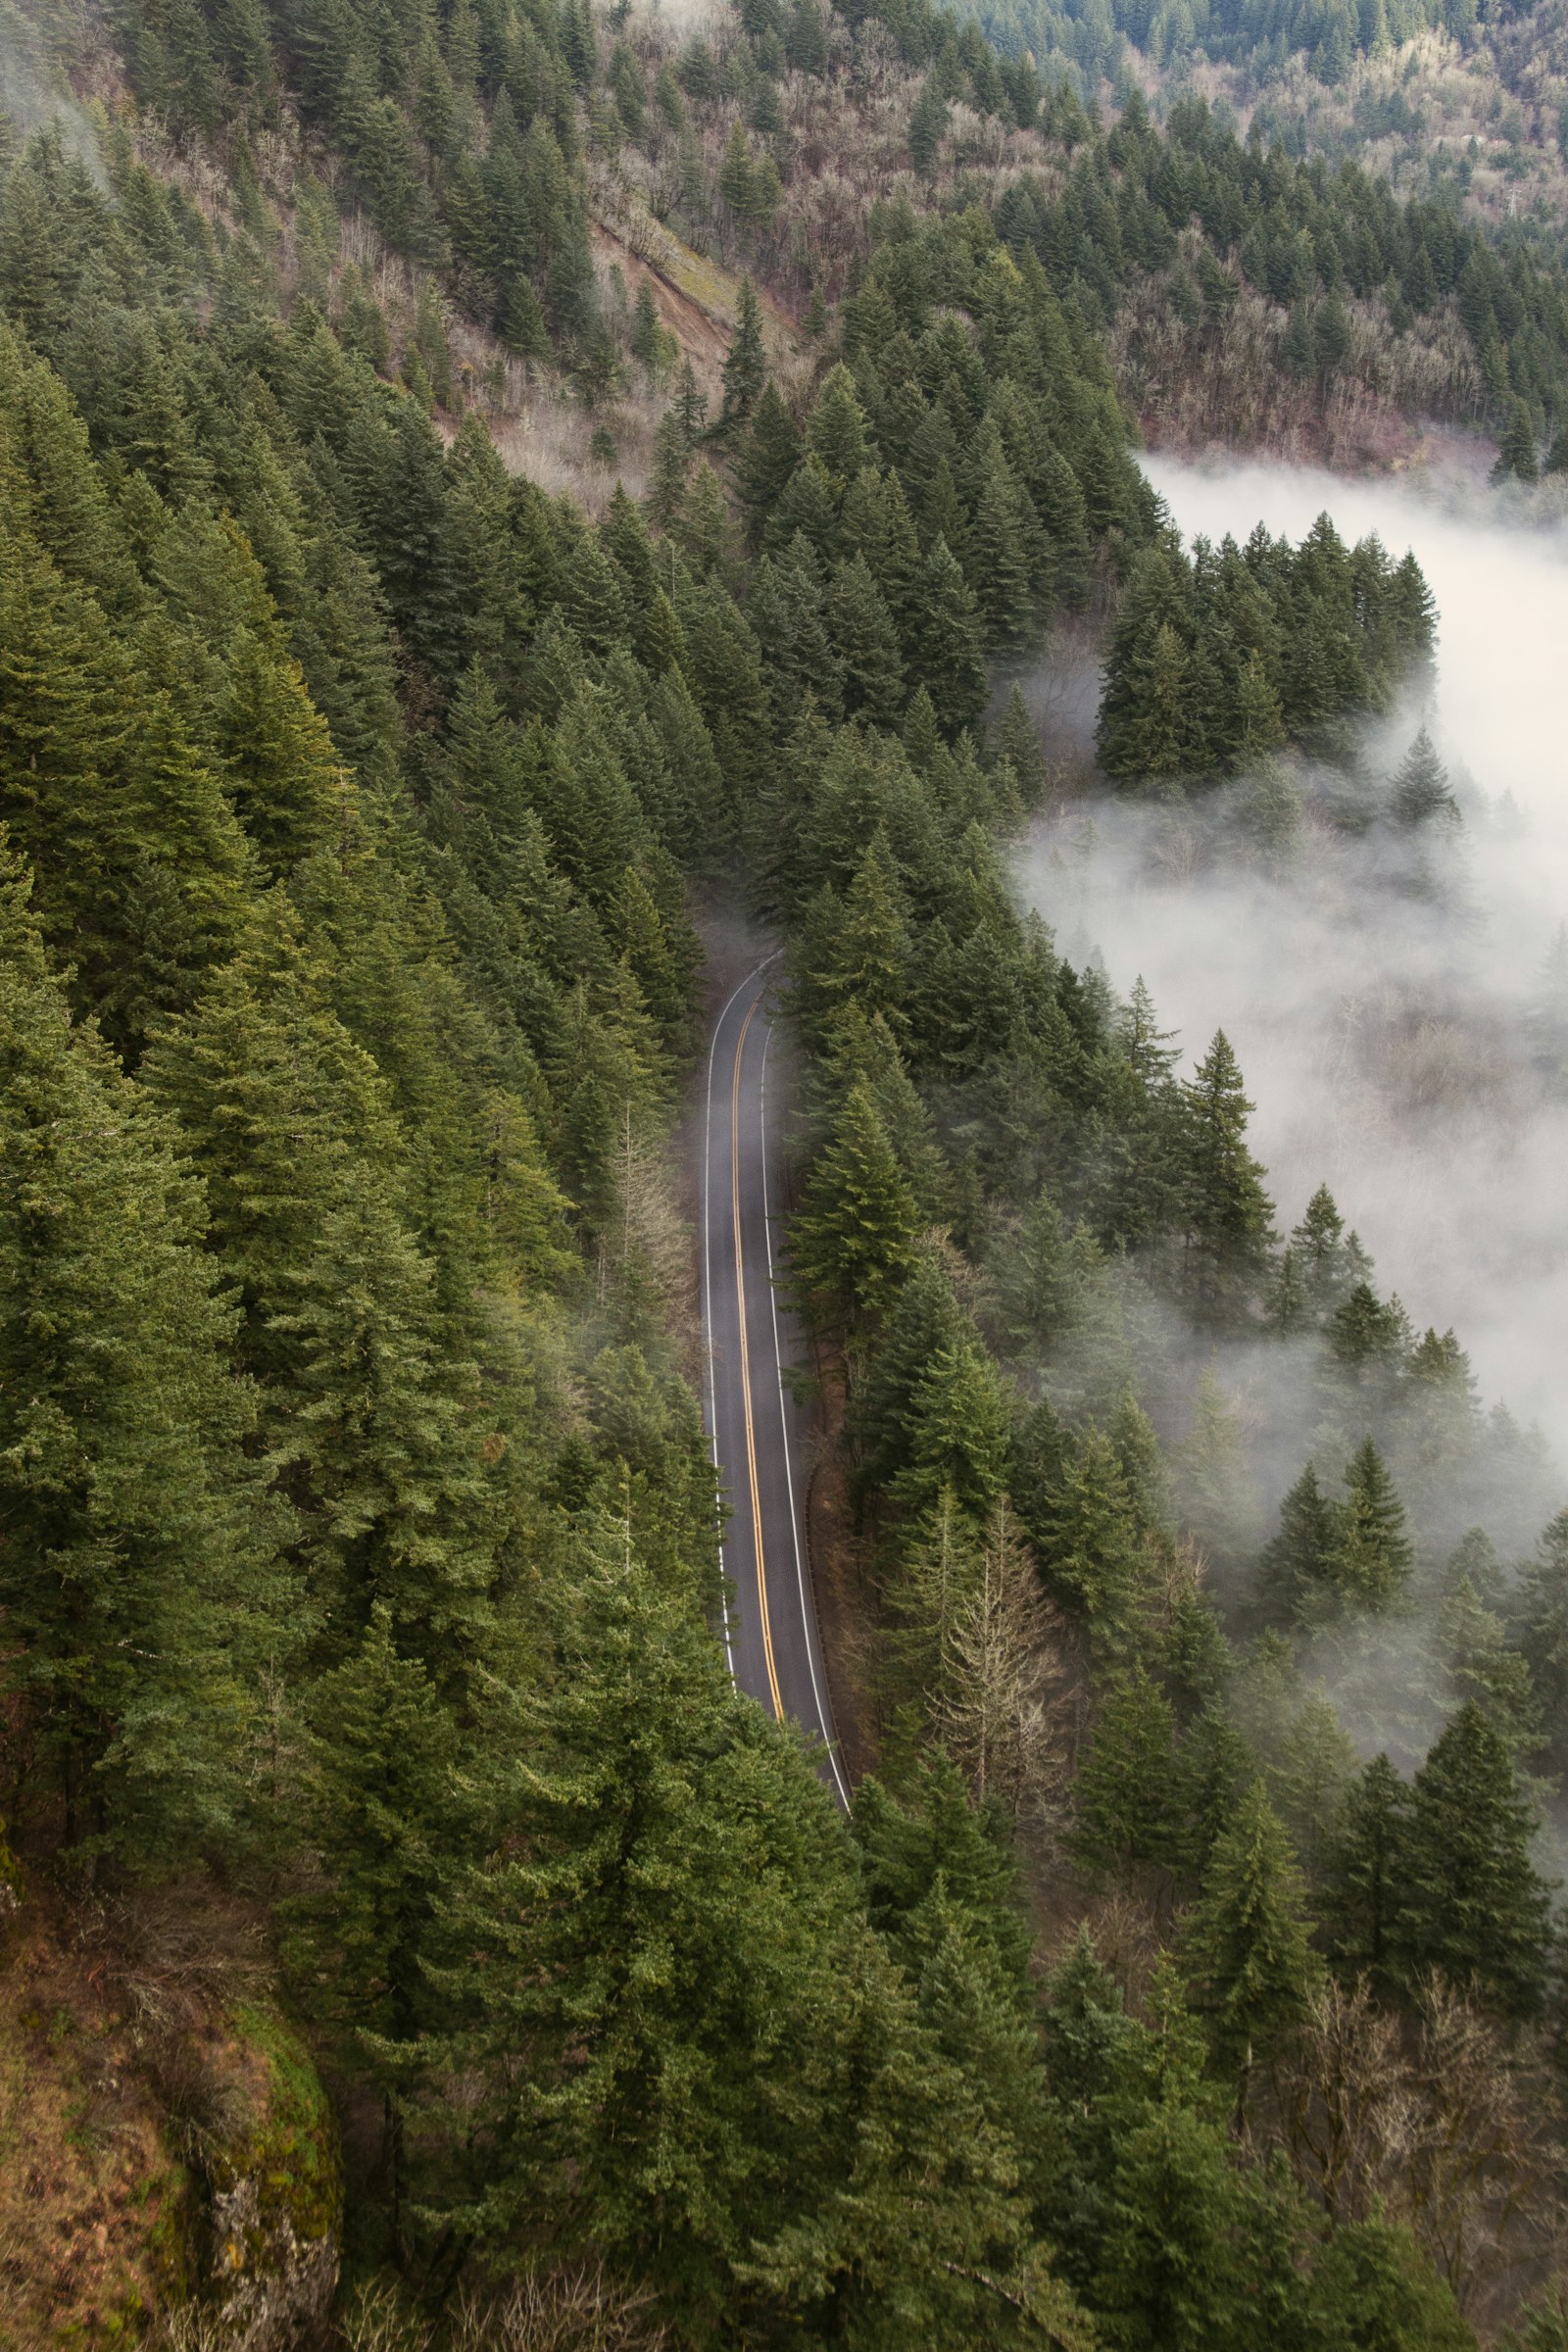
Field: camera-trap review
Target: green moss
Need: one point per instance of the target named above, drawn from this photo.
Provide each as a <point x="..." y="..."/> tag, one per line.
<point x="290" y="2151"/>
<point x="170" y="2258"/>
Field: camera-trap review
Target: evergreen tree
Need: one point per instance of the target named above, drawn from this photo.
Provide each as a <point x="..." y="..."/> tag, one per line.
<point x="1018" y="743"/>
<point x="1296" y="1570"/>
<point x="1331" y="1261"/>
<point x="769" y="458"/>
<point x="1364" y="1890"/>
<point x="1516" y="446"/>
<point x="1128" y="1800"/>
<point x="1543" y="1613"/>
<point x="948" y="639"/>
<point x="1420" y="790"/>
<point x="1473" y="1904"/>
<point x="745" y="364"/>
<point x="852" y="1237"/>
<point x="958" y="1426"/>
<point x="836" y="430"/>
<point x="381" y="1813"/>
<point x="378" y="1450"/>
<point x="1075" y="1506"/>
<point x="1228" y="1215"/>
<point x="928" y="120"/>
<point x="140" y="1576"/>
<point x="1246" y="1938"/>
<point x="1372" y="1558"/>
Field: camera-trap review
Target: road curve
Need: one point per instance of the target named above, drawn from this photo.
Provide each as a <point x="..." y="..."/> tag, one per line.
<point x="760" y="1430"/>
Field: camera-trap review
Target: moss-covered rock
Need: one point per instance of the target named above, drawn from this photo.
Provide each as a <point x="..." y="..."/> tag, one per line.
<point x="276" y="2195"/>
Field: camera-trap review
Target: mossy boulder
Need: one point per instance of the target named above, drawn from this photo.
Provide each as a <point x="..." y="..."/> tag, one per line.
<point x="276" y="2195"/>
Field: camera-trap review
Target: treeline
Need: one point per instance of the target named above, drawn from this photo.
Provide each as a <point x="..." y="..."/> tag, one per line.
<point x="1261" y="37"/>
<point x="463" y="134"/>
<point x="470" y="140"/>
<point x="1217" y="658"/>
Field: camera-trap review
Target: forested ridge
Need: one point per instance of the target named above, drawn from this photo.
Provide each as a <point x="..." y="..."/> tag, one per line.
<point x="359" y="1565"/>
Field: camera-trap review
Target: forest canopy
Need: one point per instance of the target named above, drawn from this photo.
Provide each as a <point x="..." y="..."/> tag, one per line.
<point x="364" y="802"/>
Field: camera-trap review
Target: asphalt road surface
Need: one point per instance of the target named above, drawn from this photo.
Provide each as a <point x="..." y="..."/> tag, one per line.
<point x="760" y="1431"/>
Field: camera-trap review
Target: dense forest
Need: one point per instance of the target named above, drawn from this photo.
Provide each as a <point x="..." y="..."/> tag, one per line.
<point x="364" y="800"/>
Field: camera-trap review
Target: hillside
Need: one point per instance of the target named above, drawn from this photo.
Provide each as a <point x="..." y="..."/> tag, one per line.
<point x="1461" y="103"/>
<point x="502" y="506"/>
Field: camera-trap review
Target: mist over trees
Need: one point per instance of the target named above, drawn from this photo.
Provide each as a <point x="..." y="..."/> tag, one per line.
<point x="361" y="1559"/>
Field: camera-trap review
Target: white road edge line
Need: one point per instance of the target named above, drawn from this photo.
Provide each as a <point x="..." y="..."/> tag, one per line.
<point x="708" y="1276"/>
<point x="808" y="1616"/>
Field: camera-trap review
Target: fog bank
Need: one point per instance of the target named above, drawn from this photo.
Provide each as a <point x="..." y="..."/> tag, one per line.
<point x="1385" y="1036"/>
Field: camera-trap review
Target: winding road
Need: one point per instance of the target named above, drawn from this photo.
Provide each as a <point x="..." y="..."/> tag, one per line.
<point x="760" y="1430"/>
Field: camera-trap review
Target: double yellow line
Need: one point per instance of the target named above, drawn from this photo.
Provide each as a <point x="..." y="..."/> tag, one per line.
<point x="746" y="1361"/>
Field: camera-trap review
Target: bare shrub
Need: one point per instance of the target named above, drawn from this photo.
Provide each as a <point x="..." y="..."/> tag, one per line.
<point x="581" y="2309"/>
<point x="378" y="2320"/>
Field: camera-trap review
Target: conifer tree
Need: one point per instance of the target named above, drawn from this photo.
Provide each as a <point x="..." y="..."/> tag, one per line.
<point x="1078" y="1514"/>
<point x="867" y="642"/>
<point x="1420" y="790"/>
<point x="1372" y="1557"/>
<point x="1331" y="1261"/>
<point x="1473" y="1904"/>
<point x="1148" y="732"/>
<point x="1128" y="1796"/>
<point x="1228" y="1215"/>
<point x="1169" y="2274"/>
<point x="288" y="787"/>
<point x="382" y="1819"/>
<point x="768" y="456"/>
<point x="378" y="1451"/>
<point x="1297" y="1568"/>
<point x="1365" y="1875"/>
<point x="929" y="1591"/>
<point x="925" y="1320"/>
<point x="852" y="1237"/>
<point x="140" y="1577"/>
<point x="1543" y="1613"/>
<point x="1017" y="741"/>
<point x="836" y="430"/>
<point x="745" y="364"/>
<point x="1516" y="446"/>
<point x="666" y="488"/>
<point x="959" y="1426"/>
<point x="1246" y="1938"/>
<point x="928" y="120"/>
<point x="948" y="638"/>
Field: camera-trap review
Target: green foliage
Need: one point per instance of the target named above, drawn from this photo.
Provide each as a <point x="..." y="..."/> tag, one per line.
<point x="140" y="1575"/>
<point x="360" y="1532"/>
<point x="1228" y="1215"/>
<point x="1246" y="1937"/>
<point x="1473" y="1904"/>
<point x="1216" y="658"/>
<point x="852" y="1237"/>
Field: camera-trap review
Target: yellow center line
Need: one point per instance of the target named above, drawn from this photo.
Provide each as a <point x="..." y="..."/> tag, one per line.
<point x="746" y="1361"/>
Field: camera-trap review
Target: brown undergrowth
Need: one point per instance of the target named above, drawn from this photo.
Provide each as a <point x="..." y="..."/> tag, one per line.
<point x="143" y="2072"/>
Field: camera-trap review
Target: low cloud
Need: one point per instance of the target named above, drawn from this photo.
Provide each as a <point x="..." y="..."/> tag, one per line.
<point x="1385" y="1034"/>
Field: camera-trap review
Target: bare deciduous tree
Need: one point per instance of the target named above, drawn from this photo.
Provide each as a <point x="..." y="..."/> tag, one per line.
<point x="1483" y="2184"/>
<point x="994" y="1709"/>
<point x="1348" y="2100"/>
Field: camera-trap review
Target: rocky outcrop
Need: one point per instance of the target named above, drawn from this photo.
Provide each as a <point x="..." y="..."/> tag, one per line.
<point x="275" y="2200"/>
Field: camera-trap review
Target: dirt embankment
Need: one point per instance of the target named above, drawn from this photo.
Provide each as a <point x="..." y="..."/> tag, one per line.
<point x="164" y="2136"/>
